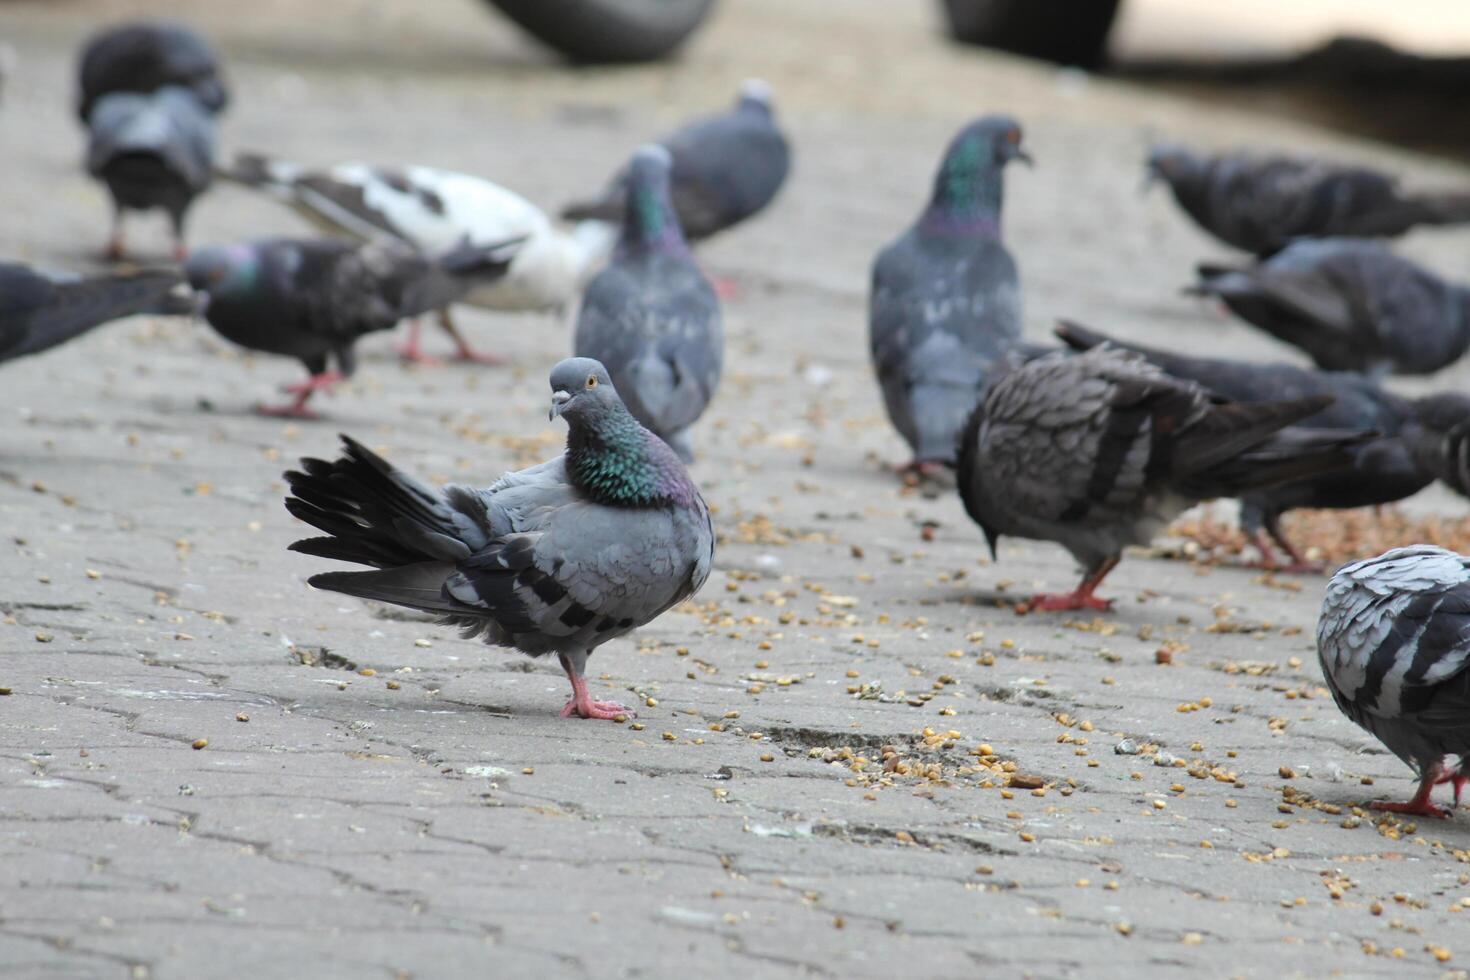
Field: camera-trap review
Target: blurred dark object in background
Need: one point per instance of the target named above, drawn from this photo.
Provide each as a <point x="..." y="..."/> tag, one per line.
<point x="1069" y="32"/>
<point x="602" y="31"/>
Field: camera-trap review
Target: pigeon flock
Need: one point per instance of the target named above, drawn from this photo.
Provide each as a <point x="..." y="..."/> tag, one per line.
<point x="1095" y="444"/>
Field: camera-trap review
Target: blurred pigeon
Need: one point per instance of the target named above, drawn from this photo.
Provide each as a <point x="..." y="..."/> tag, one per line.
<point x="651" y="316"/>
<point x="1394" y="643"/>
<point x="144" y="57"/>
<point x="1441" y="439"/>
<point x="725" y="169"/>
<point x="1263" y="204"/>
<point x="152" y="151"/>
<point x="558" y="558"/>
<point x="1102" y="450"/>
<point x="312" y="299"/>
<point x="434" y="210"/>
<point x="39" y="311"/>
<point x="1386" y="466"/>
<point x="1351" y="305"/>
<point x="945" y="305"/>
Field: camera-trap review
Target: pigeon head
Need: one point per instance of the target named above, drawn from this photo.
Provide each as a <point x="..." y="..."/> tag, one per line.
<point x="610" y="457"/>
<point x="650" y="222"/>
<point x="968" y="185"/>
<point x="1173" y="164"/>
<point x="755" y="93"/>
<point x="220" y="268"/>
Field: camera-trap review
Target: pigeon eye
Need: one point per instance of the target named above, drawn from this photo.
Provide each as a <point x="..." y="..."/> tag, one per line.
<point x="592" y="381"/>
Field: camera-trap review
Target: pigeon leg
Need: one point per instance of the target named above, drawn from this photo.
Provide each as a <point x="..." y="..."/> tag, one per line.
<point x="117" y="246"/>
<point x="181" y="252"/>
<point x="919" y="467"/>
<point x="303" y="390"/>
<point x="1080" y="597"/>
<point x="462" y="349"/>
<point x="411" y="351"/>
<point x="1420" y="805"/>
<point x="1271" y="562"/>
<point x="581" y="703"/>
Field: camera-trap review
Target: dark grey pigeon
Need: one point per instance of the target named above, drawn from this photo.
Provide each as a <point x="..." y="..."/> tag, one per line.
<point x="1263" y="204"/>
<point x="312" y="299"/>
<point x="558" y="558"/>
<point x="1351" y="305"/>
<point x="945" y="305"/>
<point x="39" y="311"/>
<point x="1441" y="439"/>
<point x="1102" y="450"/>
<point x="1394" y="644"/>
<point x="725" y="169"/>
<point x="1386" y="466"/>
<point x="651" y="316"/>
<point x="144" y="57"/>
<point x="153" y="150"/>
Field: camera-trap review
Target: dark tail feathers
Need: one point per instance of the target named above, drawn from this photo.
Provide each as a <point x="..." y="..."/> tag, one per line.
<point x="1445" y="208"/>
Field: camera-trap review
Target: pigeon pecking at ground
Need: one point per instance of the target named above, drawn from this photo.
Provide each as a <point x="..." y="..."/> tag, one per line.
<point x="1351" y="305"/>
<point x="558" y="558"/>
<point x="651" y="317"/>
<point x="40" y="311"/>
<point x="945" y="304"/>
<point x="1389" y="465"/>
<point x="1102" y="450"/>
<point x="1441" y="439"/>
<point x="1394" y="643"/>
<point x="725" y="168"/>
<point x="434" y="210"/>
<point x="144" y="57"/>
<point x="1263" y="204"/>
<point x="148" y="94"/>
<point x="313" y="298"/>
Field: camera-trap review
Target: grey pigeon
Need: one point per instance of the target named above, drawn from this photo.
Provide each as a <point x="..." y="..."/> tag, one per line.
<point x="945" y="305"/>
<point x="725" y="169"/>
<point x="1394" y="643"/>
<point x="152" y="150"/>
<point x="1351" y="305"/>
<point x="1387" y="465"/>
<point x="1102" y="450"/>
<point x="1441" y="439"/>
<point x="39" y="311"/>
<point x="651" y="316"/>
<point x="312" y="299"/>
<point x="144" y="57"/>
<point x="1263" y="204"/>
<point x="558" y="558"/>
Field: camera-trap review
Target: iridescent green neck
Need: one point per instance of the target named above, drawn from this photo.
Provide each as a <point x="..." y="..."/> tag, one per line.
<point x="967" y="190"/>
<point x="618" y="462"/>
<point x="650" y="224"/>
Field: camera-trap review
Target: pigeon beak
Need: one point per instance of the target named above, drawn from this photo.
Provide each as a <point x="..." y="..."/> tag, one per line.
<point x="559" y="401"/>
<point x="1023" y="156"/>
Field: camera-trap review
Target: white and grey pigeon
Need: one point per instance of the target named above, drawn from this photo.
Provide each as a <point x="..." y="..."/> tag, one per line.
<point x="1102" y="450"/>
<point x="436" y="210"/>
<point x="651" y="317"/>
<point x="1262" y="204"/>
<point x="558" y="558"/>
<point x="726" y="168"/>
<point x="153" y="151"/>
<point x="945" y="306"/>
<point x="1351" y="305"/>
<point x="1394" y="643"/>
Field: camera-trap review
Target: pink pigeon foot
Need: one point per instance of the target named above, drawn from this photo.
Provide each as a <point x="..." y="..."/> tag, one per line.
<point x="581" y="704"/>
<point x="1420" y="805"/>
<point x="466" y="354"/>
<point x="1271" y="562"/>
<point x="1062" y="601"/>
<point x="411" y="351"/>
<point x="725" y="287"/>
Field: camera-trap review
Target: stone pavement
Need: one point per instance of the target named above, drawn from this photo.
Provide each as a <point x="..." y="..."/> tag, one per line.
<point x="819" y="779"/>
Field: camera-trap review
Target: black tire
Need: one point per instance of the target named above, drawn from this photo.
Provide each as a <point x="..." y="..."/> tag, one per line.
<point x="1069" y="32"/>
<point x="601" y="31"/>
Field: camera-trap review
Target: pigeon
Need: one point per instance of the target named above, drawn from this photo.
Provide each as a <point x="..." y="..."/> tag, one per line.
<point x="651" y="317"/>
<point x="40" y="311"/>
<point x="1387" y="466"/>
<point x="945" y="305"/>
<point x="312" y="299"/>
<point x="146" y="56"/>
<point x="1394" y="643"/>
<point x="433" y="210"/>
<point x="153" y="150"/>
<point x="726" y="168"/>
<point x="1263" y="204"/>
<point x="1441" y="439"/>
<point x="1102" y="450"/>
<point x="558" y="558"/>
<point x="1351" y="305"/>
